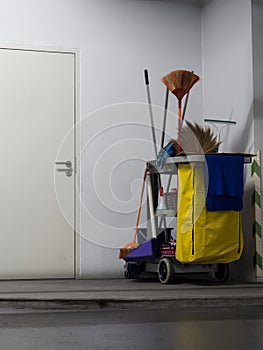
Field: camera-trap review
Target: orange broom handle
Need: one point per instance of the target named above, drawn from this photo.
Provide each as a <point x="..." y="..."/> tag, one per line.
<point x="179" y="125"/>
<point x="139" y="207"/>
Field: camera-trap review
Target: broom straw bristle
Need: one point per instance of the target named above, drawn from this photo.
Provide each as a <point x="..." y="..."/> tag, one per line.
<point x="197" y="139"/>
<point x="127" y="248"/>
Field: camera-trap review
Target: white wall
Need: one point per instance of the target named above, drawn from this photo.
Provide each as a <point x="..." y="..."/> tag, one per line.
<point x="228" y="93"/>
<point x="258" y="71"/>
<point x="227" y="68"/>
<point x="117" y="40"/>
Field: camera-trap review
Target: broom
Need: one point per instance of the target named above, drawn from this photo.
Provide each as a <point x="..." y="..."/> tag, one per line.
<point x="179" y="82"/>
<point x="128" y="247"/>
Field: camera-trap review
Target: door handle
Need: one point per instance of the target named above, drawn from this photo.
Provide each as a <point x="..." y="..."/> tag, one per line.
<point x="68" y="170"/>
<point x="68" y="163"/>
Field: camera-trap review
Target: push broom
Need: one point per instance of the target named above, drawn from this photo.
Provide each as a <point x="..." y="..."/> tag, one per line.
<point x="179" y="82"/>
<point x="128" y="247"/>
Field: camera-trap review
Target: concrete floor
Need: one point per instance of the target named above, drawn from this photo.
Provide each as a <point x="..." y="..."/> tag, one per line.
<point x="121" y="293"/>
<point x="197" y="329"/>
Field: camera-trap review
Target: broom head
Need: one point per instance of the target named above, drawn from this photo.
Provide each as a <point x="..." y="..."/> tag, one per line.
<point x="197" y="139"/>
<point x="179" y="82"/>
<point x="127" y="248"/>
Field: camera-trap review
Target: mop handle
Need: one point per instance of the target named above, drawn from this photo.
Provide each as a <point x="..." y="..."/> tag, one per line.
<point x="147" y="84"/>
<point x="185" y="105"/>
<point x="165" y="116"/>
<point x="186" y="101"/>
<point x="139" y="207"/>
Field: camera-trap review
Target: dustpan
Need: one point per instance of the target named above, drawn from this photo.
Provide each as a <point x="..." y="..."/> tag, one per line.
<point x="128" y="247"/>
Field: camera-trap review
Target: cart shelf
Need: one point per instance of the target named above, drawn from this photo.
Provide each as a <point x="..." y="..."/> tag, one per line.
<point x="171" y="168"/>
<point x="166" y="212"/>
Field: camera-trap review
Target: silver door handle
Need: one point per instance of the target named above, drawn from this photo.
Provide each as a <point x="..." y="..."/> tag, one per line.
<point x="68" y="170"/>
<point x="68" y="163"/>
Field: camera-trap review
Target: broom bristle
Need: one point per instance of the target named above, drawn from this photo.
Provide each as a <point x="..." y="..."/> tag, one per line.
<point x="197" y="139"/>
<point x="127" y="248"/>
<point x="179" y="82"/>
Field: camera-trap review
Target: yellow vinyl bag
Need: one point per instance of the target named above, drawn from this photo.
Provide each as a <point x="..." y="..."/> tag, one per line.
<point x="204" y="237"/>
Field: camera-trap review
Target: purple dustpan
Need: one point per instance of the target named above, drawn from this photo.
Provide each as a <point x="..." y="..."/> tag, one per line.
<point x="145" y="251"/>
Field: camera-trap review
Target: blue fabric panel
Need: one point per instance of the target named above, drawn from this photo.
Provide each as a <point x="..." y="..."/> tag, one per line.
<point x="225" y="182"/>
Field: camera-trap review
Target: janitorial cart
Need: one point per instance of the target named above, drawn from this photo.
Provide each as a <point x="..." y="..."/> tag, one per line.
<point x="202" y="190"/>
<point x="206" y="238"/>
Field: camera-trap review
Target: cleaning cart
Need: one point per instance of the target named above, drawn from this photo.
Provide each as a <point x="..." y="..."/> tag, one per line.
<point x="203" y="196"/>
<point x="208" y="232"/>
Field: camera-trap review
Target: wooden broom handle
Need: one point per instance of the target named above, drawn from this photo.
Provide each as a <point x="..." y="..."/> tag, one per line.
<point x="140" y="205"/>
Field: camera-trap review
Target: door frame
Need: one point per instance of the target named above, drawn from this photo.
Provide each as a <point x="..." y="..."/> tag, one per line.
<point x="76" y="126"/>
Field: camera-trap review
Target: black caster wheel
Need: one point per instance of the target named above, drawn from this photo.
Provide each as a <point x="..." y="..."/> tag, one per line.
<point x="222" y="273"/>
<point x="165" y="271"/>
<point x="127" y="274"/>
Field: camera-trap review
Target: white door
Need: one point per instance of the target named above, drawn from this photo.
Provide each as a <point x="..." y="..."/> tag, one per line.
<point x="37" y="109"/>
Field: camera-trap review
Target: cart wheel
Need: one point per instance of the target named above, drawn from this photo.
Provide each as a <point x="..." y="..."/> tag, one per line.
<point x="165" y="271"/>
<point x="222" y="272"/>
<point x="127" y="274"/>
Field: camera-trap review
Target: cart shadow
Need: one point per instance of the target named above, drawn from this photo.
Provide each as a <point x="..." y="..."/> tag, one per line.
<point x="190" y="280"/>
